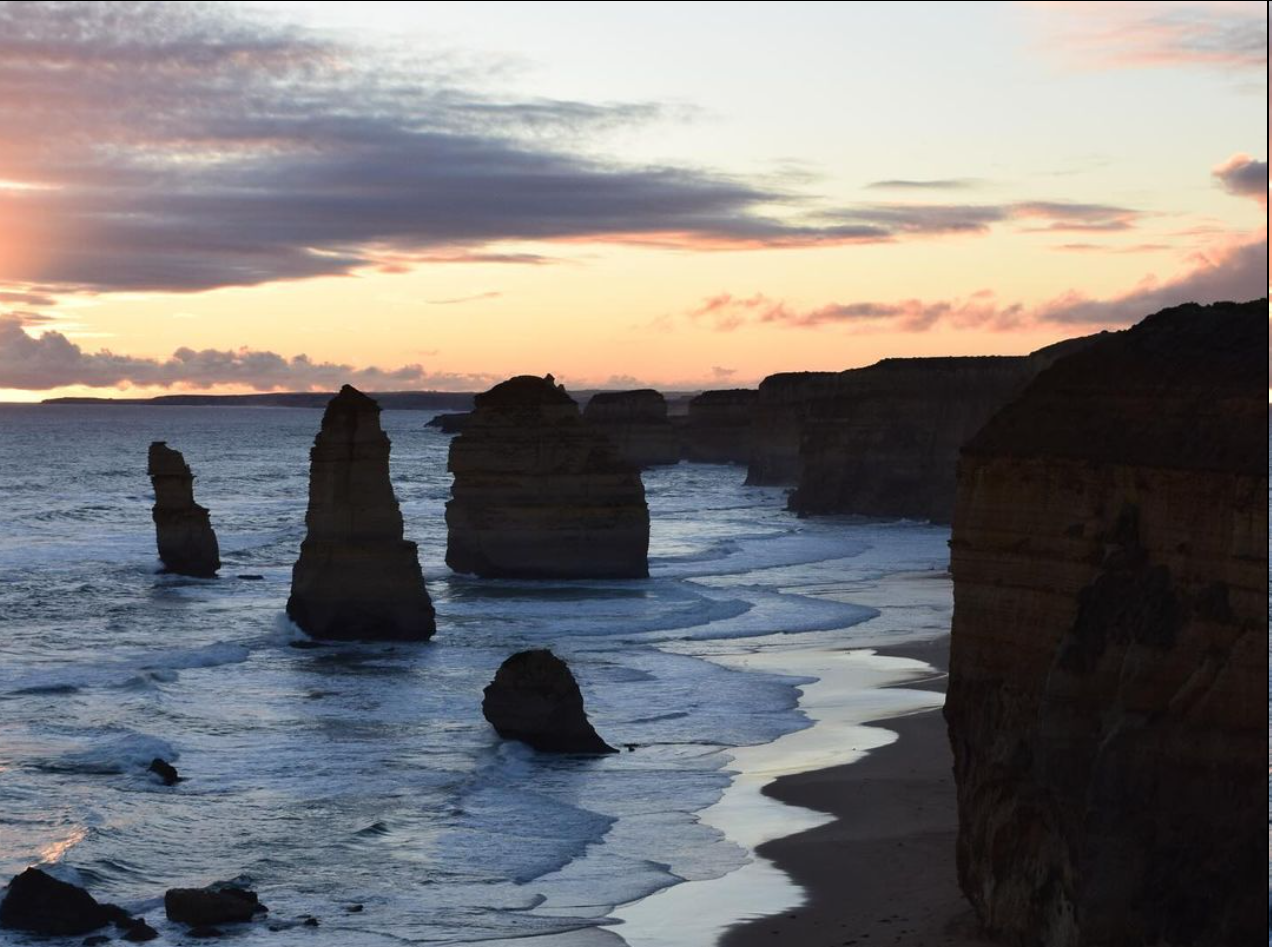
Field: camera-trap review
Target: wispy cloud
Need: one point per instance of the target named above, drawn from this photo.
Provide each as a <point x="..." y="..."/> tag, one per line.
<point x="934" y="184"/>
<point x="457" y="300"/>
<point x="51" y="360"/>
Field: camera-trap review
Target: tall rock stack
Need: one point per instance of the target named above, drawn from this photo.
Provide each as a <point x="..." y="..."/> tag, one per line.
<point x="538" y="493"/>
<point x="782" y="406"/>
<point x="718" y="428"/>
<point x="357" y="578"/>
<point x="187" y="543"/>
<point x="1106" y="694"/>
<point x="636" y="423"/>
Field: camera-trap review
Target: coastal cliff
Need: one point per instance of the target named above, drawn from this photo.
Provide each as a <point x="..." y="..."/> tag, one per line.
<point x="538" y="493"/>
<point x="636" y="423"/>
<point x="183" y="530"/>
<point x="783" y="403"/>
<point x="717" y="429"/>
<point x="357" y="578"/>
<point x="885" y="441"/>
<point x="1106" y="694"/>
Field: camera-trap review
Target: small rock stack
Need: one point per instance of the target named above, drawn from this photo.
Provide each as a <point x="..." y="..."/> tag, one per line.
<point x="187" y="544"/>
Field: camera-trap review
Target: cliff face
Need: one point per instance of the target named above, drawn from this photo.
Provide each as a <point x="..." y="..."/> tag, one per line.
<point x="782" y="405"/>
<point x="885" y="441"/>
<point x="539" y="494"/>
<point x="636" y="423"/>
<point x="718" y="427"/>
<point x="356" y="578"/>
<point x="1106" y="695"/>
<point x="187" y="544"/>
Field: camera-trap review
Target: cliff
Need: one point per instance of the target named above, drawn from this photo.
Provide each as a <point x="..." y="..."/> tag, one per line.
<point x="1106" y="694"/>
<point x="636" y="423"/>
<point x="539" y="494"/>
<point x="885" y="442"/>
<point x="783" y="403"/>
<point x="717" y="429"/>
<point x="187" y="543"/>
<point x="357" y="578"/>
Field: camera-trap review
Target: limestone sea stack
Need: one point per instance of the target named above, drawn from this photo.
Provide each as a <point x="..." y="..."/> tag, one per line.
<point x="885" y="442"/>
<point x="187" y="543"/>
<point x="636" y="423"/>
<point x="1106" y="691"/>
<point x="718" y="428"/>
<point x="535" y="699"/>
<point x="538" y="493"/>
<point x="357" y="578"/>
<point x="783" y="404"/>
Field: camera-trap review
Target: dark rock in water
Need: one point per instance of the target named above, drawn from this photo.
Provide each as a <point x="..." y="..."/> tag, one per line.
<point x="215" y="904"/>
<point x="353" y="908"/>
<point x="535" y="699"/>
<point x="540" y="494"/>
<point x="357" y="577"/>
<point x="636" y="424"/>
<point x="95" y="941"/>
<point x="718" y="428"/>
<point x="305" y="645"/>
<point x="138" y="932"/>
<point x="187" y="544"/>
<point x="252" y="578"/>
<point x="310" y="921"/>
<point x="450" y="423"/>
<point x="204" y="932"/>
<point x="38" y="903"/>
<point x="1108" y="653"/>
<point x="165" y="771"/>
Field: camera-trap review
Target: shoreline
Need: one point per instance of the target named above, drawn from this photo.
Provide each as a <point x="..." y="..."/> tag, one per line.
<point x="881" y="867"/>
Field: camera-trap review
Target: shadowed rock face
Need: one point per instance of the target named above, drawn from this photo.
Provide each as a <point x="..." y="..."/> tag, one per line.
<point x="636" y="423"/>
<point x="718" y="428"/>
<point x="782" y="406"/>
<point x="535" y="699"/>
<point x="540" y="494"/>
<point x="187" y="544"/>
<point x="41" y="904"/>
<point x="357" y="578"/>
<point x="1106" y="695"/>
<point x="885" y="441"/>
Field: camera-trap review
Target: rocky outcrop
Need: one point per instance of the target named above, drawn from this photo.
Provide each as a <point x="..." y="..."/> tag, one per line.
<point x="449" y="423"/>
<point x="187" y="544"/>
<point x="215" y="904"/>
<point x="718" y="427"/>
<point x="356" y="578"/>
<point x="38" y="903"/>
<point x="636" y="424"/>
<point x="535" y="699"/>
<point x="539" y="494"/>
<point x="1106" y="693"/>
<point x="782" y="405"/>
<point x="886" y="441"/>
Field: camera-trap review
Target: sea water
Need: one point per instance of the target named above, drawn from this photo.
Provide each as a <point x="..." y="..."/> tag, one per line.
<point x="365" y="774"/>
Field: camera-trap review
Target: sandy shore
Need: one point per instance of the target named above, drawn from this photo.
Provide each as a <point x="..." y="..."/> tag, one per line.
<point x="882" y="872"/>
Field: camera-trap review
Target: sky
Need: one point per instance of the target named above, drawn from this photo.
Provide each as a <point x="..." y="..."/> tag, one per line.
<point x="235" y="197"/>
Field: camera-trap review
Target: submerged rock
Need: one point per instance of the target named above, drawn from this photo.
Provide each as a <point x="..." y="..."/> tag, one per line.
<point x="215" y="904"/>
<point x="357" y="578"/>
<point x="1106" y="691"/>
<point x="137" y="931"/>
<point x="636" y="424"/>
<point x="538" y="493"/>
<point x="718" y="427"/>
<point x="535" y="699"/>
<point x="187" y="543"/>
<point x="165" y="771"/>
<point x="38" y="903"/>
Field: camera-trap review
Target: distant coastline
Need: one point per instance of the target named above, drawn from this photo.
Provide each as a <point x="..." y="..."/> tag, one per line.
<point x="388" y="400"/>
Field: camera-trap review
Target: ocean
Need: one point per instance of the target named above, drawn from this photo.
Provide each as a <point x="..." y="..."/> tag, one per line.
<point x="365" y="774"/>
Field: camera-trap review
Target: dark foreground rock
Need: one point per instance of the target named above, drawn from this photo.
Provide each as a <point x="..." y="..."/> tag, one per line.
<point x="1106" y="701"/>
<point x="636" y="424"/>
<point x="215" y="904"/>
<point x="535" y="699"/>
<point x="38" y="903"/>
<point x="165" y="771"/>
<point x="357" y="578"/>
<point x="187" y="543"/>
<point x="538" y="493"/>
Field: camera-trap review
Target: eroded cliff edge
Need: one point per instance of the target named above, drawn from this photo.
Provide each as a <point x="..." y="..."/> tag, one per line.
<point x="1106" y="702"/>
<point x="636" y="424"/>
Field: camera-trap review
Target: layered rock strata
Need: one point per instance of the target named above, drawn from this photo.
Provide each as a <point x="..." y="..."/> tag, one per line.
<point x="782" y="405"/>
<point x="538" y="493"/>
<point x="1106" y="694"/>
<point x="535" y="699"/>
<point x="357" y="578"/>
<point x="637" y="425"/>
<point x="187" y="543"/>
<point x="718" y="427"/>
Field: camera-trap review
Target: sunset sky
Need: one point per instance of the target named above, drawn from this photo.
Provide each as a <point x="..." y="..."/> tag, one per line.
<point x="237" y="197"/>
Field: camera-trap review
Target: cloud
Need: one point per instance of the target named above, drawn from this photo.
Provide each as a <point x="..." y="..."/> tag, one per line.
<point x="946" y="219"/>
<point x="51" y="360"/>
<point x="937" y="184"/>
<point x="719" y="373"/>
<point x="1108" y="34"/>
<point x="1244" y="176"/>
<point x="464" y="299"/>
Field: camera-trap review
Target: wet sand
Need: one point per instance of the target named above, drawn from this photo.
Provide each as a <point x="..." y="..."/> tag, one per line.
<point x="883" y="871"/>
